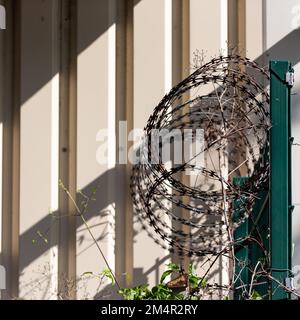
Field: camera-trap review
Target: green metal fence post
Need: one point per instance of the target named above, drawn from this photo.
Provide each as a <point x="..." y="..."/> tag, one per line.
<point x="249" y="253"/>
<point x="241" y="249"/>
<point x="273" y="208"/>
<point x="280" y="177"/>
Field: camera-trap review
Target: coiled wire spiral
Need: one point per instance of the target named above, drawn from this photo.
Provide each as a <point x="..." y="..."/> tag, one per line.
<point x="189" y="207"/>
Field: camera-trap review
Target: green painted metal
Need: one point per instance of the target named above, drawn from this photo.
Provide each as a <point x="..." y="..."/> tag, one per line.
<point x="270" y="222"/>
<point x="241" y="248"/>
<point x="280" y="177"/>
<point x="248" y="253"/>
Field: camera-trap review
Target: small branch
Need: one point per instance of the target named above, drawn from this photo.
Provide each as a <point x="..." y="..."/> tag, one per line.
<point x="80" y="214"/>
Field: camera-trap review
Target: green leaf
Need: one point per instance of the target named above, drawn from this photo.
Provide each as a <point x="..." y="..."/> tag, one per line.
<point x="255" y="296"/>
<point x="191" y="269"/>
<point x="108" y="274"/>
<point x="161" y="292"/>
<point x="137" y="293"/>
<point x="203" y="283"/>
<point x="179" y="296"/>
<point x="194" y="281"/>
<point x="173" y="267"/>
<point x="165" y="274"/>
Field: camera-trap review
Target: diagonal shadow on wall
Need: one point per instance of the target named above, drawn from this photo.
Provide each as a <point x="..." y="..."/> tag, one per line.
<point x="287" y="48"/>
<point x="93" y="22"/>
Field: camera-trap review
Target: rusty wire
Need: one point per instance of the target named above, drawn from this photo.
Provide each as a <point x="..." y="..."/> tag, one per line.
<point x="193" y="208"/>
<point x="234" y="116"/>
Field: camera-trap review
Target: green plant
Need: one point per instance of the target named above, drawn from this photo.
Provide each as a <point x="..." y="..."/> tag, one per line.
<point x="167" y="290"/>
<point x="108" y="274"/>
<point x="255" y="296"/>
<point x="142" y="292"/>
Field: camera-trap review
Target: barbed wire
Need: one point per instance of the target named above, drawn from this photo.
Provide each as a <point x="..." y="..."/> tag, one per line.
<point x="193" y="208"/>
<point x="234" y="114"/>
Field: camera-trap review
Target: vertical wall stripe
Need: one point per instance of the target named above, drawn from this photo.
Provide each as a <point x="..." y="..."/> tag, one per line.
<point x="264" y="25"/>
<point x="224" y="27"/>
<point x="2" y="93"/>
<point x="1" y="174"/>
<point x="11" y="149"/>
<point x="180" y="70"/>
<point x="237" y="45"/>
<point x="237" y="25"/>
<point x="241" y="25"/>
<point x="180" y="40"/>
<point x="254" y="28"/>
<point x="72" y="172"/>
<point x="237" y="41"/>
<point x="124" y="112"/>
<point x="54" y="148"/>
<point x="16" y="150"/>
<point x="185" y="73"/>
<point x="2" y="76"/>
<point x="111" y="126"/>
<point x="67" y="150"/>
<point x="129" y="118"/>
<point x="7" y="152"/>
<point x="168" y="45"/>
<point x="168" y="75"/>
<point x="224" y="268"/>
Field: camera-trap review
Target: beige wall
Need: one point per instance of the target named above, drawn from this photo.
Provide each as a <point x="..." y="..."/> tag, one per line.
<point x="93" y="114"/>
<point x="149" y="86"/>
<point x="101" y="97"/>
<point x="38" y="106"/>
